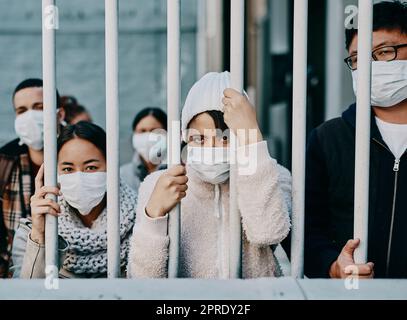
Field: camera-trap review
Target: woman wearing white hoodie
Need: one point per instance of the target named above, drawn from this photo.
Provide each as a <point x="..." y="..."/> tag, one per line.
<point x="263" y="192"/>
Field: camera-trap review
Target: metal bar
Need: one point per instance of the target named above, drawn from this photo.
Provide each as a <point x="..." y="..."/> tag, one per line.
<point x="112" y="140"/>
<point x="49" y="24"/>
<point x="334" y="64"/>
<point x="299" y="135"/>
<point x="173" y="110"/>
<point x="202" y="39"/>
<point x="237" y="82"/>
<point x="363" y="114"/>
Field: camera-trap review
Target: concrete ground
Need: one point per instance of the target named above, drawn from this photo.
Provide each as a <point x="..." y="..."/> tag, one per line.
<point x="187" y="289"/>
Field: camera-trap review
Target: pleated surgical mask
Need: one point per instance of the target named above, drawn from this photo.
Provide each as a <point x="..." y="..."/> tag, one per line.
<point x="29" y="127"/>
<point x="83" y="191"/>
<point x="389" y="83"/>
<point x="151" y="146"/>
<point x="211" y="164"/>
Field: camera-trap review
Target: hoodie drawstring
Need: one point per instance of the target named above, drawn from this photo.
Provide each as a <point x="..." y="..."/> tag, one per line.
<point x="217" y="203"/>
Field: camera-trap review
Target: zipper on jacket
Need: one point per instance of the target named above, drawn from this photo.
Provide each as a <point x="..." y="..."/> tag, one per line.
<point x="396" y="169"/>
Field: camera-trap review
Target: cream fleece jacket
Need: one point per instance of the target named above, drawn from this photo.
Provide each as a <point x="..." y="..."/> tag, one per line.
<point x="264" y="201"/>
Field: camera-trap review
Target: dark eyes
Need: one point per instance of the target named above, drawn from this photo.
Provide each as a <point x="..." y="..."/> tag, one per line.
<point x="198" y="139"/>
<point x="20" y="111"/>
<point x="38" y="107"/>
<point x="88" y="168"/>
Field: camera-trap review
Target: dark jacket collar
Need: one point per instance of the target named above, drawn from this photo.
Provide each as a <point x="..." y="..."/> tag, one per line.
<point x="349" y="116"/>
<point x="13" y="149"/>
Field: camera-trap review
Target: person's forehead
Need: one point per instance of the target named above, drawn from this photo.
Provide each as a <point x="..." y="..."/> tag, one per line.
<point x="382" y="37"/>
<point x="202" y="121"/>
<point x="148" y="122"/>
<point x="78" y="151"/>
<point x="390" y="37"/>
<point x="34" y="94"/>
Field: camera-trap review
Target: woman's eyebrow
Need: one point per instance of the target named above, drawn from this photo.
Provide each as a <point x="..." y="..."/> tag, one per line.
<point x="67" y="163"/>
<point x="91" y="160"/>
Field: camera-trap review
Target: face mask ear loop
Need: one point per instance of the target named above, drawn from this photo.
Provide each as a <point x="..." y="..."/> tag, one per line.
<point x="217" y="201"/>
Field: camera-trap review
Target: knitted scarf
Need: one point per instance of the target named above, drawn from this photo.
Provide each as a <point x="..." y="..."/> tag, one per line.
<point x="87" y="251"/>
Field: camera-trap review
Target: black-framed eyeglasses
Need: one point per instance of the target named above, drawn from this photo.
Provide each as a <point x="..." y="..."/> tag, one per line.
<point x="386" y="53"/>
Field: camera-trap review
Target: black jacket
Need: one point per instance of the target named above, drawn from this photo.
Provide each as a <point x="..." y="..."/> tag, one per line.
<point x="330" y="199"/>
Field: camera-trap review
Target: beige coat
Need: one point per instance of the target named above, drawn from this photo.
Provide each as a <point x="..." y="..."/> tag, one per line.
<point x="264" y="201"/>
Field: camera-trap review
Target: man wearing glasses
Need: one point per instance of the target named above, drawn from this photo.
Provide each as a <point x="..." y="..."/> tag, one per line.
<point x="329" y="243"/>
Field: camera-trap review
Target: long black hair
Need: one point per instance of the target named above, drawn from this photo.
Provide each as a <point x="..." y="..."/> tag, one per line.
<point x="86" y="131"/>
<point x="157" y="113"/>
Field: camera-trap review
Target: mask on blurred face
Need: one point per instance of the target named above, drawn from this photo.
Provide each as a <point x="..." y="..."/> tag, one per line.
<point x="151" y="146"/>
<point x="83" y="191"/>
<point x="29" y="127"/>
<point x="211" y="164"/>
<point x="389" y="83"/>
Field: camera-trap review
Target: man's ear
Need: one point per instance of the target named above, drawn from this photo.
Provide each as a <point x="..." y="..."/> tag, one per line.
<point x="61" y="115"/>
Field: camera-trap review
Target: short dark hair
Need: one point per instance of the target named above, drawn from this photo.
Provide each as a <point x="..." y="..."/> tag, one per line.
<point x="157" y="113"/>
<point x="86" y="131"/>
<point x="72" y="108"/>
<point x="387" y="15"/>
<point x="33" y="83"/>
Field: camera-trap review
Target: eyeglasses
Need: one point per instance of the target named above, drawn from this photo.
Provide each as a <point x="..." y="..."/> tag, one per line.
<point x="387" y="53"/>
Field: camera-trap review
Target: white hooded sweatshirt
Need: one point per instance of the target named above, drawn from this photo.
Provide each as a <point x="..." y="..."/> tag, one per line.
<point x="264" y="202"/>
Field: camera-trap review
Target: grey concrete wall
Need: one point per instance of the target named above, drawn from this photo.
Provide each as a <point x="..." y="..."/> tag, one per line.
<point x="80" y="56"/>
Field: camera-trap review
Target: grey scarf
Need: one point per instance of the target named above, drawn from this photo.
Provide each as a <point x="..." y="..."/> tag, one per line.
<point x="87" y="252"/>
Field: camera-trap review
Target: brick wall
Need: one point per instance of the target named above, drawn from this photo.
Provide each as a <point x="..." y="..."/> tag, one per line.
<point x="80" y="56"/>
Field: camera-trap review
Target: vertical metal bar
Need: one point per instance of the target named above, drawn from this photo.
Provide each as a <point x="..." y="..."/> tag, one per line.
<point x="112" y="142"/>
<point x="202" y="39"/>
<point x="49" y="24"/>
<point x="363" y="114"/>
<point x="173" y="109"/>
<point x="237" y="82"/>
<point x="299" y="135"/>
<point x="334" y="63"/>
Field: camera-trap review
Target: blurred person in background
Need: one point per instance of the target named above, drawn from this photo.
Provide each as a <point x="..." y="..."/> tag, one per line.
<point x="74" y="112"/>
<point x="149" y="144"/>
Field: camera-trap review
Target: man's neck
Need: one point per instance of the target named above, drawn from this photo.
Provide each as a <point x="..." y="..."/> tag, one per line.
<point x="395" y="115"/>
<point x="37" y="157"/>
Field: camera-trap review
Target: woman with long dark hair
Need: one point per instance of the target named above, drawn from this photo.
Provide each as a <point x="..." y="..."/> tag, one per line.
<point x="81" y="211"/>
<point x="150" y="146"/>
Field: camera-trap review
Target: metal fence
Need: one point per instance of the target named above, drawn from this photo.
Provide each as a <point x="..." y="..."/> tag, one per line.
<point x="50" y="20"/>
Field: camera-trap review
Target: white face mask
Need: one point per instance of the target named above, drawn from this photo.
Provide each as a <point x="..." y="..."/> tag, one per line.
<point x="29" y="127"/>
<point x="211" y="164"/>
<point x="151" y="146"/>
<point x="83" y="191"/>
<point x="389" y="83"/>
